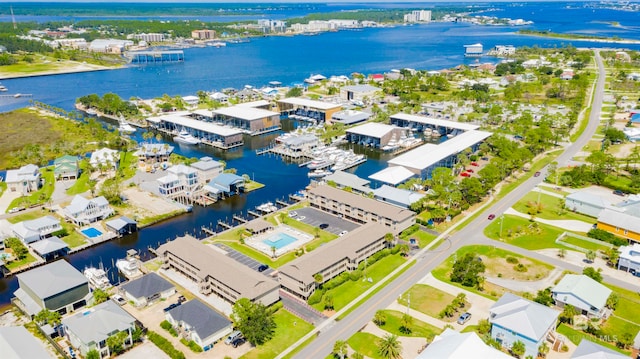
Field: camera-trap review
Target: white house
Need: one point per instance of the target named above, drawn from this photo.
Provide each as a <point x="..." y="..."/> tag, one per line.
<point x="191" y="100"/>
<point x="585" y="202"/>
<point x="25" y="179"/>
<point x="582" y="292"/>
<point x="630" y="259"/>
<point x="35" y="229"/>
<point x="105" y="157"/>
<point x="207" y="169"/>
<point x="514" y="319"/>
<point x="453" y="345"/>
<point x="90" y="329"/>
<point x="179" y="179"/>
<point x="200" y="323"/>
<point x="219" y="97"/>
<point x="16" y="342"/>
<point x="83" y="211"/>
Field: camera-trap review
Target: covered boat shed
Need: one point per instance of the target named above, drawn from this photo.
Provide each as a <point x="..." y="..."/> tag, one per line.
<point x="50" y="248"/>
<point x="122" y="225"/>
<point x="305" y="109"/>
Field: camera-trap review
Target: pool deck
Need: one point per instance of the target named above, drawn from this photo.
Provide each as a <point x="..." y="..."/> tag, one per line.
<point x="256" y="242"/>
<point x="93" y="241"/>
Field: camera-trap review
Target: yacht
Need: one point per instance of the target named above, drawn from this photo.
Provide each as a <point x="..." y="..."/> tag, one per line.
<point x="318" y="173"/>
<point x="318" y="163"/>
<point x="3" y="88"/>
<point x="217" y="44"/>
<point x="125" y="127"/>
<point x="91" y="111"/>
<point x="129" y="267"/>
<point x="186" y="138"/>
<point x="267" y="207"/>
<point x="97" y="278"/>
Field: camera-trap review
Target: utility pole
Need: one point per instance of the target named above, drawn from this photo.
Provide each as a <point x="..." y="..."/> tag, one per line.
<point x="501" y="221"/>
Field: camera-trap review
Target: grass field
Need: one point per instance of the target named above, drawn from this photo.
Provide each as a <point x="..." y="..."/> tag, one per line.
<point x="17" y="264"/>
<point x="590" y="246"/>
<point x="551" y="208"/>
<point x="289" y="329"/>
<point x="365" y="344"/>
<point x="424" y="238"/>
<point x="40" y="196"/>
<point x="426" y="299"/>
<point x="418" y="328"/>
<point x="576" y="336"/>
<point x="524" y="233"/>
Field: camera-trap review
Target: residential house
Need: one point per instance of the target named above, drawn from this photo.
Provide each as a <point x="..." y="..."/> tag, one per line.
<point x="363" y="93"/>
<point x="630" y="259"/>
<point x="83" y="211"/>
<point x="567" y="74"/>
<point x="105" y="158"/>
<point x="19" y="343"/>
<point x="590" y="350"/>
<point x="66" y="167"/>
<point x="585" y="202"/>
<point x="180" y="180"/>
<point x="215" y="273"/>
<point x="56" y="286"/>
<point x="36" y="229"/>
<point x="25" y="179"/>
<point x="225" y="184"/>
<point x="219" y="97"/>
<point x="453" y="345"/>
<point x="147" y="289"/>
<point x="514" y="319"/>
<point x="207" y="169"/>
<point x="155" y="152"/>
<point x="122" y="225"/>
<point x="50" y="248"/>
<point x="620" y="222"/>
<point x="191" y="100"/>
<point x="198" y="322"/>
<point x="582" y="292"/>
<point x="90" y="329"/>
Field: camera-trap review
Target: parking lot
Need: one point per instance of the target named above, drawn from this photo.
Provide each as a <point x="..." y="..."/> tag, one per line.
<point x="316" y="217"/>
<point x="239" y="257"/>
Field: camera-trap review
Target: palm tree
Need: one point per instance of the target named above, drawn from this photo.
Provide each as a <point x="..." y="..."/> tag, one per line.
<point x="388" y="238"/>
<point x="518" y="348"/>
<point x="389" y="347"/>
<point x="357" y="355"/>
<point x="340" y="348"/>
<point x="405" y="323"/>
<point x="379" y="318"/>
<point x="543" y="349"/>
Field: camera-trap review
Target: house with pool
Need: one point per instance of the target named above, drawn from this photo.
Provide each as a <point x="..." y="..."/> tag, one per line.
<point x="83" y="211"/>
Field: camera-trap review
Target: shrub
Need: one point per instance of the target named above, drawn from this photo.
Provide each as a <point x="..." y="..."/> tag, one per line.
<point x="414" y="228"/>
<point x="605" y="236"/>
<point x="395" y="250"/>
<point x="192" y="345"/>
<point x="512" y="260"/>
<point x="165" y="325"/>
<point x="520" y="267"/>
<point x="316" y="297"/>
<point x="61" y="233"/>
<point x="163" y="344"/>
<point x="355" y="275"/>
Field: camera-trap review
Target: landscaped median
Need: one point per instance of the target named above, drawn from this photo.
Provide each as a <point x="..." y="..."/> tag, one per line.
<point x="289" y="329"/>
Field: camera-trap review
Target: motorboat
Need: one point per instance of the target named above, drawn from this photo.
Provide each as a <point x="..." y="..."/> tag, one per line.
<point x="129" y="267"/>
<point x="316" y="164"/>
<point x="186" y="138"/>
<point x="125" y="127"/>
<point x="91" y="111"/>
<point x="267" y="207"/>
<point x="3" y="88"/>
<point x="97" y="278"/>
<point x="318" y="173"/>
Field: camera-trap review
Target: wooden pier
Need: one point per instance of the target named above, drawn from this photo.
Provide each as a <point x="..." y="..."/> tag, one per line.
<point x="239" y="219"/>
<point x="224" y="225"/>
<point x="282" y="203"/>
<point x="255" y="214"/>
<point x="209" y="231"/>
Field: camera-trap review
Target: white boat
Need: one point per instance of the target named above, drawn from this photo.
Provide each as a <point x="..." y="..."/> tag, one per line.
<point x="318" y="173"/>
<point x="315" y="164"/>
<point x="186" y="138"/>
<point x="91" y="111"/>
<point x="125" y="127"/>
<point x="428" y="132"/>
<point x="129" y="267"/>
<point x="3" y="88"/>
<point x="97" y="278"/>
<point x="267" y="207"/>
<point x="217" y="44"/>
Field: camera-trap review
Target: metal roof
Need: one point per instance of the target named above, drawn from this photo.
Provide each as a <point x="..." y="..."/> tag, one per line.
<point x="631" y="253"/>
<point x="435" y="121"/>
<point x="52" y="278"/>
<point x="584" y="288"/>
<point x="200" y="317"/>
<point x="211" y="263"/>
<point x="147" y="286"/>
<point x="120" y="223"/>
<point x="393" y="175"/>
<point x="245" y="113"/>
<point x="98" y="323"/>
<point x="183" y="121"/>
<point x="347" y="179"/>
<point x="48" y="245"/>
<point x="19" y="343"/>
<point x="206" y="163"/>
<point x="590" y="350"/>
<point x="309" y="103"/>
<point x="403" y="196"/>
<point x="372" y="129"/>
<point x="258" y="103"/>
<point x="453" y="345"/>
<point x="617" y="218"/>
<point x="429" y="154"/>
<point x="350" y="116"/>
<point x="588" y="198"/>
<point x="361" y="88"/>
<point x="522" y="316"/>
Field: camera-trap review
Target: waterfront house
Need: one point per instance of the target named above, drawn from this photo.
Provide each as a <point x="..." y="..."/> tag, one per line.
<point x="585" y="202"/>
<point x="90" y="329"/>
<point x="66" y="167"/>
<point x="359" y="209"/>
<point x="360" y="93"/>
<point x="305" y="109"/>
<point x="147" y="290"/>
<point x="83" y="211"/>
<point x="207" y="169"/>
<point x="251" y="120"/>
<point x="328" y="261"/>
<point x="191" y="100"/>
<point x="629" y="260"/>
<point x="215" y="273"/>
<point x="453" y="345"/>
<point x="154" y="152"/>
<point x="219" y="97"/>
<point x="56" y="286"/>
<point x="180" y="180"/>
<point x="514" y="319"/>
<point x="105" y="158"/>
<point x="376" y="135"/>
<point x="621" y="221"/>
<point x="50" y="248"/>
<point x="583" y="293"/>
<point x="198" y="322"/>
<point x="590" y="350"/>
<point x="225" y="184"/>
<point x="121" y="225"/>
<point x="25" y="179"/>
<point x="36" y="229"/>
<point x="396" y="196"/>
<point x="16" y="342"/>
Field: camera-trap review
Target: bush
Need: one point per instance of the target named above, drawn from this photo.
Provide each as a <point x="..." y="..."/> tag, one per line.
<point x="605" y="236"/>
<point x="520" y="267"/>
<point x="192" y="345"/>
<point x="165" y="325"/>
<point x="512" y="260"/>
<point x="61" y="233"/>
<point x="316" y="297"/>
<point x="414" y="228"/>
<point x="355" y="275"/>
<point x="395" y="250"/>
<point x="163" y="344"/>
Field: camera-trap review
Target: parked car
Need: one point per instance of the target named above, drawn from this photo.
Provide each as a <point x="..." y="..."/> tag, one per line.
<point x="171" y="306"/>
<point x="293" y="214"/>
<point x="464" y="318"/>
<point x="118" y="299"/>
<point x="537" y="174"/>
<point x="323" y="226"/>
<point x="263" y="267"/>
<point x="343" y="233"/>
<point x="470" y="170"/>
<point x="491" y="216"/>
<point x="182" y="299"/>
<point x="233" y="336"/>
<point x="465" y="174"/>
<point x="475" y="164"/>
<point x="238" y="342"/>
<point x="301" y="218"/>
<point x="618" y="193"/>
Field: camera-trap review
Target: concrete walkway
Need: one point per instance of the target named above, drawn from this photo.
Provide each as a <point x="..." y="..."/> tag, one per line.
<point x="527" y="286"/>
<point x="543" y="191"/>
<point x="6" y="199"/>
<point x="567" y="224"/>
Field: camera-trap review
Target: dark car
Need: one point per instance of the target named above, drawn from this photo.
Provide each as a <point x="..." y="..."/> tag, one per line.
<point x="618" y="192"/>
<point x="171" y="306"/>
<point x="263" y="267"/>
<point x="323" y="226"/>
<point x="537" y="174"/>
<point x="182" y="299"/>
<point x="491" y="216"/>
<point x="238" y="341"/>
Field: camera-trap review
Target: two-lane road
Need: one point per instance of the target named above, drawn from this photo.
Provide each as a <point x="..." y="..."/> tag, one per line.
<point x="322" y="346"/>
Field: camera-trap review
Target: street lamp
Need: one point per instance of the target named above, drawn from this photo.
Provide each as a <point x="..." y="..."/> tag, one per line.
<point x="501" y="221"/>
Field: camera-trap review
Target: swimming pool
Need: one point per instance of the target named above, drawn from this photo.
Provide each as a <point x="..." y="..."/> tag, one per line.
<point x="91" y="232"/>
<point x="279" y="240"/>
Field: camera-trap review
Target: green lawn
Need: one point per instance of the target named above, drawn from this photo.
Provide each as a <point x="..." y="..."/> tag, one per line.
<point x="82" y="183"/>
<point x="40" y="196"/>
<point x="424" y="238"/>
<point x="551" y="208"/>
<point x="575" y="336"/>
<point x="418" y="328"/>
<point x="288" y="331"/>
<point x="426" y="299"/>
<point x="17" y="264"/>
<point x="584" y="244"/>
<point x="522" y="233"/>
<point x="252" y="185"/>
<point x="350" y="290"/>
<point x="365" y="344"/>
<point x="74" y="238"/>
<point x="616" y="326"/>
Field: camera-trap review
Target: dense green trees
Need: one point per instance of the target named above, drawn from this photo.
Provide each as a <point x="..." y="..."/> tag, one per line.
<point x="254" y="320"/>
<point x="468" y="270"/>
<point x="592" y="273"/>
<point x="110" y="104"/>
<point x="19" y="250"/>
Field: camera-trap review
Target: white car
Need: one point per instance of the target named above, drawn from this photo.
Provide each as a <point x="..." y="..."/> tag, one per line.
<point x="292" y="214"/>
<point x="343" y="233"/>
<point x="301" y="218"/>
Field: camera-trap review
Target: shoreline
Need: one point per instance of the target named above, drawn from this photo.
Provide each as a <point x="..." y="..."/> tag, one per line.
<point x="62" y="71"/>
<point x="569" y="38"/>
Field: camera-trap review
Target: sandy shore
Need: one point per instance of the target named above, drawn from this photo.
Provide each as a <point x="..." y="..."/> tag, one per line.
<point x="65" y="68"/>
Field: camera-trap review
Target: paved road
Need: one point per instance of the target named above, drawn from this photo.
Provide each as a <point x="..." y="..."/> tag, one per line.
<point x="472" y="233"/>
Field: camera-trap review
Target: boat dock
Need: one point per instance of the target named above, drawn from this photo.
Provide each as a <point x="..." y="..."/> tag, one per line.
<point x="239" y="219"/>
<point x="255" y="214"/>
<point x="155" y="57"/>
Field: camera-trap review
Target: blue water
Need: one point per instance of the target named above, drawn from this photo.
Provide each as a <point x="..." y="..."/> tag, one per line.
<point x="291" y="59"/>
<point x="91" y="232"/>
<point x="279" y="240"/>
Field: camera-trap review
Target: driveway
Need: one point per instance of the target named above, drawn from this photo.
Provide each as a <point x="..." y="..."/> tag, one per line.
<point x="527" y="286"/>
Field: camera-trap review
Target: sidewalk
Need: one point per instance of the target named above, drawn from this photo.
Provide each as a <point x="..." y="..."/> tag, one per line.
<point x="418" y="315"/>
<point x="567" y="224"/>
